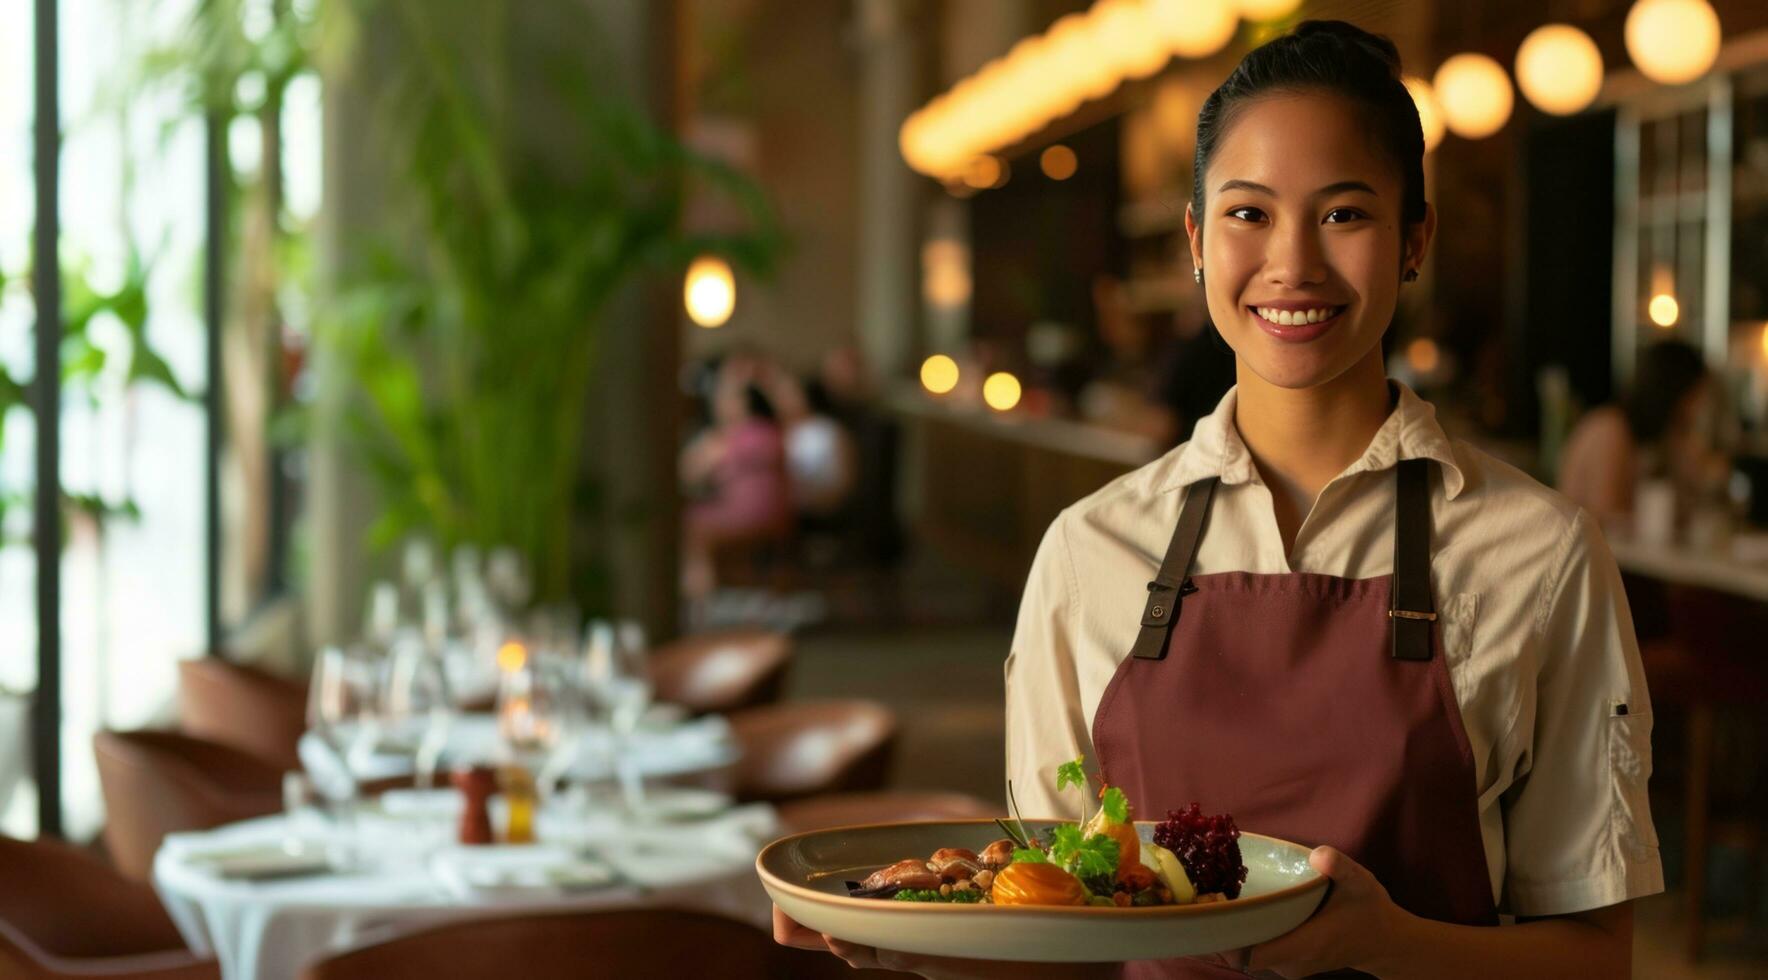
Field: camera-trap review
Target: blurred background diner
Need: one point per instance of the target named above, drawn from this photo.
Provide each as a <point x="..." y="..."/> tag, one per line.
<point x="497" y="465"/>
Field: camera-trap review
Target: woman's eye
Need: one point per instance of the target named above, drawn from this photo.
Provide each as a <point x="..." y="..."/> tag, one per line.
<point x="1246" y="213"/>
<point x="1341" y="215"/>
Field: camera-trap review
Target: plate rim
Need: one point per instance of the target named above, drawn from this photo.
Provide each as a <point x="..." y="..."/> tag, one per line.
<point x="806" y="893"/>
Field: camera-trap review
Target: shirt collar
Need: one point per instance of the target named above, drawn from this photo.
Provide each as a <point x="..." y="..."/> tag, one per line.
<point x="1410" y="432"/>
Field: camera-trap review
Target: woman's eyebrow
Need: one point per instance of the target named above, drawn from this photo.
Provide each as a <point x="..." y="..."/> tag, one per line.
<point x="1338" y="188"/>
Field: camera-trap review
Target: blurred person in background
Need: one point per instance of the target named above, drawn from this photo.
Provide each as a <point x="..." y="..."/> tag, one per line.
<point x="734" y="474"/>
<point x="1192" y="373"/>
<point x="1662" y="428"/>
<point x="1156" y="382"/>
<point x="820" y="462"/>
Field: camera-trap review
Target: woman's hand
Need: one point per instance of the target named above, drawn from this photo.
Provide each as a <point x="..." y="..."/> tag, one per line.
<point x="789" y="933"/>
<point x="1354" y="928"/>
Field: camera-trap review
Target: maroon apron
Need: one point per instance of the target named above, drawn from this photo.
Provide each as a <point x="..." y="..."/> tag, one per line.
<point x="1313" y="708"/>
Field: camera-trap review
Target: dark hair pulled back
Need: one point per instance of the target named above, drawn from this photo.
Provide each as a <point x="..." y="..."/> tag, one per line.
<point x="1330" y="56"/>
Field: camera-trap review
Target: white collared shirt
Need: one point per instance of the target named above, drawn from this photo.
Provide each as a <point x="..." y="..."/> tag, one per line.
<point x="1535" y="628"/>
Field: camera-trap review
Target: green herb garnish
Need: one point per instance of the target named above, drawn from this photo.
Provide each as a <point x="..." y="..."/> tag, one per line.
<point x="1086" y="858"/>
<point x="1117" y="806"/>
<point x="1029" y="855"/>
<point x="1071" y="774"/>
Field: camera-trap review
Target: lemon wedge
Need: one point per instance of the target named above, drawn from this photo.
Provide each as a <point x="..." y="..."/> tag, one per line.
<point x="1170" y="872"/>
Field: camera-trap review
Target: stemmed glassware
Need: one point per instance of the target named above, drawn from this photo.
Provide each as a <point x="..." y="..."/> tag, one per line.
<point x="537" y="721"/>
<point x="417" y="705"/>
<point x="341" y="713"/>
<point x="618" y="679"/>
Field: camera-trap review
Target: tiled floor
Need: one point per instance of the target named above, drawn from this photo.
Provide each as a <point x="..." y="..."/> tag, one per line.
<point x="945" y="683"/>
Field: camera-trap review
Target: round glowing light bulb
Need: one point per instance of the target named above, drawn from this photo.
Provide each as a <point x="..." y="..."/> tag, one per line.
<point x="711" y="291"/>
<point x="1673" y="41"/>
<point x="1001" y="391"/>
<point x="1559" y="69"/>
<point x="1664" y="310"/>
<point x="1194" y="28"/>
<point x="939" y="374"/>
<point x="511" y="657"/>
<point x="1474" y="94"/>
<point x="1058" y="162"/>
<point x="1266" y="9"/>
<point x="984" y="172"/>
<point x="1430" y="114"/>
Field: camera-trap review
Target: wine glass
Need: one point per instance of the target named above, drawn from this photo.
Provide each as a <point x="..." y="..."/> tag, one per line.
<point x="618" y="677"/>
<point x="341" y="706"/>
<point x="416" y="705"/>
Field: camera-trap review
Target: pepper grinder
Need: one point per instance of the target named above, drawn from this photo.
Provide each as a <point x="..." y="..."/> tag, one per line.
<point x="476" y="786"/>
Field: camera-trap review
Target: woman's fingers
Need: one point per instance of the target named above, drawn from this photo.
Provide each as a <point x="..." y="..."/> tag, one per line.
<point x="854" y="955"/>
<point x="789" y="933"/>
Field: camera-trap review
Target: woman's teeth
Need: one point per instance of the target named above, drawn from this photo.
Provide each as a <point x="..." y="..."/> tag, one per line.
<point x="1290" y="318"/>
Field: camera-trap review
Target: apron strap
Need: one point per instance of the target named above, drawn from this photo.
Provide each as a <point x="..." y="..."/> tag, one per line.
<point x="1410" y="607"/>
<point x="1172" y="583"/>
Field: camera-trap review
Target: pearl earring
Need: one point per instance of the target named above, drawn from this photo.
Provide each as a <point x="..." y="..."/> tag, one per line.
<point x="1197" y="274"/>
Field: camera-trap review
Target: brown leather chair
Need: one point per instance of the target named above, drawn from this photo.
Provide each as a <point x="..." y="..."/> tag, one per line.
<point x="854" y="809"/>
<point x="585" y="946"/>
<point x="250" y="709"/>
<point x="806" y="748"/>
<point x="723" y="670"/>
<point x="158" y="783"/>
<point x="63" y="913"/>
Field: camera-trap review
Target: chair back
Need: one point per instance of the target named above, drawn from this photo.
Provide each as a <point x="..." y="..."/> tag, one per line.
<point x="577" y="946"/>
<point x="722" y="671"/>
<point x="159" y="783"/>
<point x="807" y="748"/>
<point x="69" y="903"/>
<point x="64" y="913"/>
<point x="248" y="708"/>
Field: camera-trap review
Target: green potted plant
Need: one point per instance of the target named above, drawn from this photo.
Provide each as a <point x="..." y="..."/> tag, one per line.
<point x="473" y="330"/>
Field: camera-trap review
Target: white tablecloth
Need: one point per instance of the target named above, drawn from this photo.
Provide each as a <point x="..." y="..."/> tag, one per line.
<point x="269" y="930"/>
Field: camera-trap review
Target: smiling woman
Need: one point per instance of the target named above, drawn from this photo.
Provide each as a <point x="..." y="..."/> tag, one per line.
<point x="1363" y="635"/>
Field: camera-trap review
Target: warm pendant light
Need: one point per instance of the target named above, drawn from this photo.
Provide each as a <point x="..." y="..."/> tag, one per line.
<point x="1673" y="41"/>
<point x="1474" y="94"/>
<point x="1559" y="69"/>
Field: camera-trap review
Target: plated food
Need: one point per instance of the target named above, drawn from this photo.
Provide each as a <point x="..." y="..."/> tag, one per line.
<point x="1100" y="861"/>
<point x="809" y="875"/>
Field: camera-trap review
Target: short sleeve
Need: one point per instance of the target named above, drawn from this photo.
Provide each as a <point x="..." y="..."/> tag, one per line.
<point x="1046" y="725"/>
<point x="1577" y="825"/>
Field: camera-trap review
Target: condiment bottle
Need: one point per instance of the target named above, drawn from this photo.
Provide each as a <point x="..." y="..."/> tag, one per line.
<point x="520" y="797"/>
<point x="476" y="786"/>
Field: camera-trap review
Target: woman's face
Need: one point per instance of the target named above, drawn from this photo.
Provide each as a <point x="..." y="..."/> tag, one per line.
<point x="1301" y="243"/>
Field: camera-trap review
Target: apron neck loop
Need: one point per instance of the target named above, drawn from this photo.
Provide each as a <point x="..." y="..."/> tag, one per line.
<point x="1410" y="608"/>
<point x="1173" y="582"/>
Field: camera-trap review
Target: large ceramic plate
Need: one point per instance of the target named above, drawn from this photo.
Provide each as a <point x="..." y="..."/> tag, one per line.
<point x="806" y="876"/>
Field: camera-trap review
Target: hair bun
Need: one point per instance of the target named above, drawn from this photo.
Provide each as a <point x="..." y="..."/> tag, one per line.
<point x="1350" y="35"/>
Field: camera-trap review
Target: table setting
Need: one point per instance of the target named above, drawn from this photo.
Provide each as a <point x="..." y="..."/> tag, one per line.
<point x="267" y="896"/>
<point x="464" y="760"/>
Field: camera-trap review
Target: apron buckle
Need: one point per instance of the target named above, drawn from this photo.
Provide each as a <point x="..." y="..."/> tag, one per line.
<point x="1163" y="602"/>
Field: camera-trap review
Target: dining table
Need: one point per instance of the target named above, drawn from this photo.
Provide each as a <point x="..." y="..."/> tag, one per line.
<point x="267" y="897"/>
<point x="1736" y="565"/>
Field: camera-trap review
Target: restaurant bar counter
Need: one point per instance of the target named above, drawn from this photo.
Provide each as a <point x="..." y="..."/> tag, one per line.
<point x="981" y="486"/>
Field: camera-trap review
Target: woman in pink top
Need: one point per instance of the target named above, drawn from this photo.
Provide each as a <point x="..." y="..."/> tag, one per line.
<point x="742" y="460"/>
